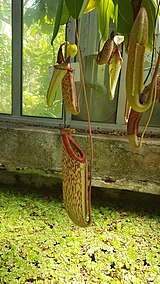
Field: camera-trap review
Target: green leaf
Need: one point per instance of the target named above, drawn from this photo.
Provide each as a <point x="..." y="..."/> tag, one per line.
<point x="115" y="2"/>
<point x="151" y="11"/>
<point x="155" y="4"/>
<point x="65" y="15"/>
<point x="123" y="16"/>
<point x="76" y="7"/>
<point x="91" y="6"/>
<point x="57" y="19"/>
<point x="105" y="13"/>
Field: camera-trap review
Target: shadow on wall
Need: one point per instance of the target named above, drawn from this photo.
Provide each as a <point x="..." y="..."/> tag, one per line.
<point x="46" y="187"/>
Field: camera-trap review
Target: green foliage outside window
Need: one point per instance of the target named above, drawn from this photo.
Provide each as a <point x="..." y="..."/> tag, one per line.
<point x="5" y="57"/>
<point x="38" y="56"/>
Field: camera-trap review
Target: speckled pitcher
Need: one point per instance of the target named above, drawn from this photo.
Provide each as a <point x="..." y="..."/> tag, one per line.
<point x="76" y="193"/>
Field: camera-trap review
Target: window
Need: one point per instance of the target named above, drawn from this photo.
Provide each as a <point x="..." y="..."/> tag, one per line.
<point x="26" y="60"/>
<point x="5" y="57"/>
<point x="27" y="57"/>
<point x="38" y="56"/>
<point x="155" y="119"/>
<point x="96" y="77"/>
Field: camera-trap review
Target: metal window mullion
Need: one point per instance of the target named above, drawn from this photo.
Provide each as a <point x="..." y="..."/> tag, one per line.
<point x="17" y="15"/>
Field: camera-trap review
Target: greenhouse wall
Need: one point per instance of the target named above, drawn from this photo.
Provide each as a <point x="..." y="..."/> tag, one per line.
<point x="32" y="156"/>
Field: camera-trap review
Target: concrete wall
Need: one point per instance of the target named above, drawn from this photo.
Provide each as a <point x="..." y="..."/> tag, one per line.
<point x="33" y="154"/>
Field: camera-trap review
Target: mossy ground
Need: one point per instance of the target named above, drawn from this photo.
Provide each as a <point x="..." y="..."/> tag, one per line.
<point x="39" y="244"/>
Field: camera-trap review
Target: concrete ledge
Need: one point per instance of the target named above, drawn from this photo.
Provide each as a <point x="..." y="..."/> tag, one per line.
<point x="141" y="186"/>
<point x="37" y="151"/>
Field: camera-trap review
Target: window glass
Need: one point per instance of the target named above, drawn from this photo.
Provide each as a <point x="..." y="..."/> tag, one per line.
<point x="96" y="76"/>
<point x="97" y="88"/>
<point x="38" y="57"/>
<point x="5" y="57"/>
<point x="155" y="119"/>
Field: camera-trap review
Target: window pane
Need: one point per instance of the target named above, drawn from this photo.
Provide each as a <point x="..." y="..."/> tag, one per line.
<point x="38" y="56"/>
<point x="5" y="57"/>
<point x="155" y="119"/>
<point x="97" y="88"/>
<point x="96" y="76"/>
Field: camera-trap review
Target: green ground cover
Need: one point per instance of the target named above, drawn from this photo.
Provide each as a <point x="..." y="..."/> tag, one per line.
<point x="39" y="244"/>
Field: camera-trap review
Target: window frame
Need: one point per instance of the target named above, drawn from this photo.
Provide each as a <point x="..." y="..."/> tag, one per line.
<point x="17" y="71"/>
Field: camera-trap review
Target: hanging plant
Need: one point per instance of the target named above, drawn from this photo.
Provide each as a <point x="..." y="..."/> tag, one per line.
<point x="135" y="23"/>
